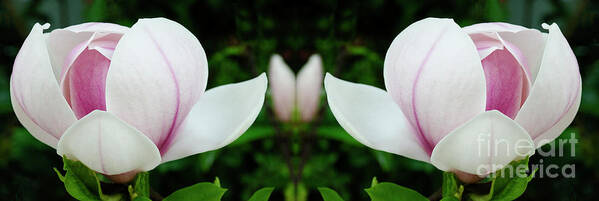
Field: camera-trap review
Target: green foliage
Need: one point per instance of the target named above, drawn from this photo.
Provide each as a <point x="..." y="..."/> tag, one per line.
<point x="141" y="187"/>
<point x="505" y="185"/>
<point x="329" y="194"/>
<point x="198" y="192"/>
<point x="386" y="191"/>
<point x="262" y="194"/>
<point x="83" y="183"/>
<point x="452" y="189"/>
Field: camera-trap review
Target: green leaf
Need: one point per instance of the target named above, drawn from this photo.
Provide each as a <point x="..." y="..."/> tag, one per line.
<point x="83" y="183"/>
<point x="392" y="192"/>
<point x="262" y="194"/>
<point x="76" y="188"/>
<point x="79" y="181"/>
<point x="450" y="199"/>
<point x="374" y="182"/>
<point x="451" y="187"/>
<point x="86" y="175"/>
<point x="60" y="175"/>
<point x="508" y="183"/>
<point x="198" y="192"/>
<point x="329" y="194"/>
<point x="139" y="198"/>
<point x="217" y="181"/>
<point x="141" y="186"/>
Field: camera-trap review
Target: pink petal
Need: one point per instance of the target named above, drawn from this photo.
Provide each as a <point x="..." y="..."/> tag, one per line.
<point x="505" y="81"/>
<point x="309" y="88"/>
<point x="35" y="94"/>
<point x="104" y="44"/>
<point x="87" y="82"/>
<point x="62" y="41"/>
<point x="158" y="72"/>
<point x="436" y="91"/>
<point x="490" y="42"/>
<point x="282" y="88"/>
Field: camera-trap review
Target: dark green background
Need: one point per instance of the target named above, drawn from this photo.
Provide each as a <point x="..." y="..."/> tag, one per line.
<point x="352" y="37"/>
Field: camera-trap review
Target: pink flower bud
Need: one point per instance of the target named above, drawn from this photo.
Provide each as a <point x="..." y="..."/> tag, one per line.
<point x="301" y="95"/>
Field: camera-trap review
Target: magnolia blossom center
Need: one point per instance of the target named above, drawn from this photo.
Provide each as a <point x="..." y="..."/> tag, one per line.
<point x="84" y="74"/>
<point x="505" y="75"/>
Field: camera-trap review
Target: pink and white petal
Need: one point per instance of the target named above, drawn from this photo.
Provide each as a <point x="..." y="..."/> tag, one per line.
<point x="555" y="94"/>
<point x="309" y="88"/>
<point x="34" y="129"/>
<point x="370" y="116"/>
<point x="220" y="117"/>
<point x="436" y="91"/>
<point x="531" y="43"/>
<point x="87" y="83"/>
<point x="61" y="43"/>
<point x="506" y="81"/>
<point x="98" y="27"/>
<point x="36" y="97"/>
<point x="483" y="145"/>
<point x="103" y="43"/>
<point x="493" y="27"/>
<point x="157" y="74"/>
<point x="282" y="87"/>
<point x="559" y="127"/>
<point x="108" y="145"/>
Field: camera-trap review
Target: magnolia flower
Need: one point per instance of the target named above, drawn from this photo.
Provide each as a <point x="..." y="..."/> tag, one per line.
<point x="467" y="100"/>
<point x="290" y="95"/>
<point x="123" y="100"/>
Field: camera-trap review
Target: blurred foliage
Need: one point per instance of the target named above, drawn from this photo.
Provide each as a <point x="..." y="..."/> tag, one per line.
<point x="352" y="37"/>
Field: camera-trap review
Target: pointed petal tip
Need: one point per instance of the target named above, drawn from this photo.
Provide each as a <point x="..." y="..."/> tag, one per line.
<point x="222" y="115"/>
<point x="546" y="26"/>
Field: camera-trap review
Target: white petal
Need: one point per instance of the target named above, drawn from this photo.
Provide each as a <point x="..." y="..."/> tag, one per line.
<point x="35" y="95"/>
<point x="370" y="116"/>
<point x="483" y="145"/>
<point x="531" y="43"/>
<point x="157" y="73"/>
<point x="108" y="145"/>
<point x="555" y="94"/>
<point x="61" y="43"/>
<point x="493" y="27"/>
<point x="309" y="88"/>
<point x="220" y="117"/>
<point x="282" y="87"/>
<point x="433" y="72"/>
<point x="98" y="27"/>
